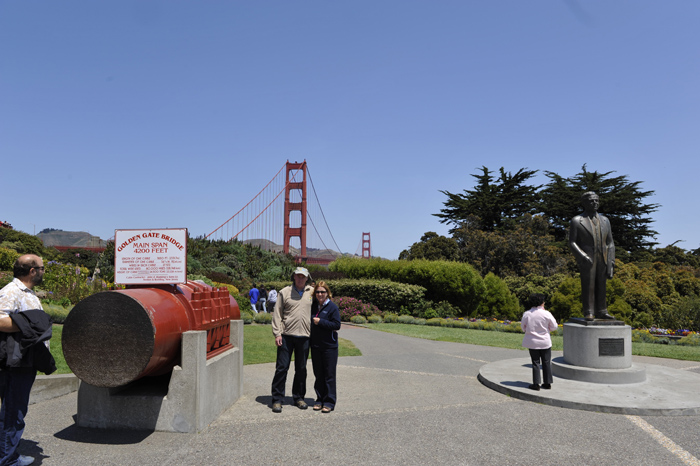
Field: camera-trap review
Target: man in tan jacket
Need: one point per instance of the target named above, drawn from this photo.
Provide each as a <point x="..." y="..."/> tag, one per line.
<point x="291" y="326"/>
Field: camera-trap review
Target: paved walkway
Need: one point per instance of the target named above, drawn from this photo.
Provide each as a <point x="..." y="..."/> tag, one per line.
<point x="405" y="401"/>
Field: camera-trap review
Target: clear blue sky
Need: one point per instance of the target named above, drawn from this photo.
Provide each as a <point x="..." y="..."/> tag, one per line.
<point x="156" y="114"/>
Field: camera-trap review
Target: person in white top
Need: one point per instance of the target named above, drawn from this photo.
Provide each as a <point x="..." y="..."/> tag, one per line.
<point x="537" y="322"/>
<point x="16" y="384"/>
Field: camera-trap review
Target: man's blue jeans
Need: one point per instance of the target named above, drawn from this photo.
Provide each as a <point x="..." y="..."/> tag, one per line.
<point x="300" y="347"/>
<point x="14" y="391"/>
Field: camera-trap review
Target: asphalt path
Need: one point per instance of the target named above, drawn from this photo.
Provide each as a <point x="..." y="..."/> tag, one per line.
<point x="405" y="401"/>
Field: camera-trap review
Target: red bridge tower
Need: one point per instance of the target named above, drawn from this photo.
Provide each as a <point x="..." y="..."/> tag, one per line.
<point x="289" y="207"/>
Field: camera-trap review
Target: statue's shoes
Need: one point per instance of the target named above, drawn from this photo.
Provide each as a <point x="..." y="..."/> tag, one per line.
<point x="589" y="317"/>
<point x="604" y="315"/>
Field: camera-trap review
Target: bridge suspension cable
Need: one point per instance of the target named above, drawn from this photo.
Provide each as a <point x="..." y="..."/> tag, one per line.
<point x="313" y="188"/>
<point x="261" y="221"/>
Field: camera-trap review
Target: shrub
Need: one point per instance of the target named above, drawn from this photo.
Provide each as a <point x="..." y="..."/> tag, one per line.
<point x="446" y="310"/>
<point x="247" y="316"/>
<point x="513" y="327"/>
<point x="233" y="291"/>
<point x="642" y="336"/>
<point x="66" y="281"/>
<point x="262" y="318"/>
<point x="350" y="307"/>
<point x="5" y="278"/>
<point x="684" y="314"/>
<point x="435" y="322"/>
<point x="374" y="319"/>
<point x="358" y="319"/>
<point x="690" y="340"/>
<point x="498" y="300"/>
<point x="455" y="282"/>
<point x="447" y="322"/>
<point x="406" y="319"/>
<point x="391" y="318"/>
<point x="7" y="258"/>
<point x="419" y="321"/>
<point x="200" y="278"/>
<point x="57" y="312"/>
<point x="387" y="295"/>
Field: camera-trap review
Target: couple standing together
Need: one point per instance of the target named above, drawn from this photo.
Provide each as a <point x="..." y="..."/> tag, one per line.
<point x="305" y="318"/>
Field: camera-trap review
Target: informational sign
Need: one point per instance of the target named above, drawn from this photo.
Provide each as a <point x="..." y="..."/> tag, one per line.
<point x="150" y="257"/>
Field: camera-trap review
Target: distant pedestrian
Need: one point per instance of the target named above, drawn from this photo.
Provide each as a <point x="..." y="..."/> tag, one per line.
<point x="254" y="293"/>
<point x="537" y="323"/>
<point x="325" y="323"/>
<point x="262" y="299"/>
<point x="271" y="299"/>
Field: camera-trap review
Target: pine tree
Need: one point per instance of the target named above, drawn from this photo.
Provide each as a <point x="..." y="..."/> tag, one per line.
<point x="495" y="203"/>
<point x="621" y="200"/>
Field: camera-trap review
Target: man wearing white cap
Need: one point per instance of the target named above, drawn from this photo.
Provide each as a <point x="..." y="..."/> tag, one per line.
<point x="291" y="326"/>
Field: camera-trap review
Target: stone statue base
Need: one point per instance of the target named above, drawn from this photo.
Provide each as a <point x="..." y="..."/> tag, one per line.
<point x="598" y="351"/>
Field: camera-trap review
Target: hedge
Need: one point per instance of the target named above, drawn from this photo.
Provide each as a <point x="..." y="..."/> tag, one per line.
<point x="456" y="282"/>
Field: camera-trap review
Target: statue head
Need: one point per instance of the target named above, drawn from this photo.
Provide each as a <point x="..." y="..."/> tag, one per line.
<point x="590" y="201"/>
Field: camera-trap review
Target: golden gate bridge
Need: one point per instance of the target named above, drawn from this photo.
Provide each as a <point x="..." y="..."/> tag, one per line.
<point x="303" y="232"/>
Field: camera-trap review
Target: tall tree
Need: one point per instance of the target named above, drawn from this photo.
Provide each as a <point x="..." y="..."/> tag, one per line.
<point x="496" y="202"/>
<point x="621" y="200"/>
<point x="432" y="247"/>
<point x="525" y="249"/>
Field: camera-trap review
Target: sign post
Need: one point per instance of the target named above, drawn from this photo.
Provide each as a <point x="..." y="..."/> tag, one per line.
<point x="150" y="257"/>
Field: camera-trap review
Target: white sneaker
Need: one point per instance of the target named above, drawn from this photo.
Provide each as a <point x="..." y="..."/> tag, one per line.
<point x="24" y="460"/>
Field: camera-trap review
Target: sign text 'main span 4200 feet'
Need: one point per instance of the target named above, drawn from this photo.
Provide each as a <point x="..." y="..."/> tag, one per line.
<point x="150" y="256"/>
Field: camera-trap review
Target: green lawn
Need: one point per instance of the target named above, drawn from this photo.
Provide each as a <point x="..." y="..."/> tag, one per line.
<point x="514" y="340"/>
<point x="258" y="342"/>
<point x="57" y="351"/>
<point x="259" y="345"/>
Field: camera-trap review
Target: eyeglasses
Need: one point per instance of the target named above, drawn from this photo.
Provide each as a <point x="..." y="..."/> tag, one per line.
<point x="321" y="292"/>
<point x="39" y="268"/>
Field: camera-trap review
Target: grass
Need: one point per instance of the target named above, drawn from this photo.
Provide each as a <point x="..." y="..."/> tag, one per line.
<point x="514" y="340"/>
<point x="57" y="351"/>
<point x="258" y="343"/>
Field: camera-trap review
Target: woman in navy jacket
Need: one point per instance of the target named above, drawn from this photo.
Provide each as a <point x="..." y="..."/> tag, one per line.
<point x="325" y="323"/>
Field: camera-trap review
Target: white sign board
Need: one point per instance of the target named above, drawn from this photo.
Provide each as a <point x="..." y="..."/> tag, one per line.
<point x="150" y="257"/>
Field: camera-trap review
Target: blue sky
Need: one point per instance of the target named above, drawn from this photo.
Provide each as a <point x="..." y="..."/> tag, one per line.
<point x="164" y="114"/>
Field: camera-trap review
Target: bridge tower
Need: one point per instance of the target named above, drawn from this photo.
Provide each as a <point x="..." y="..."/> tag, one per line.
<point x="366" y="248"/>
<point x="289" y="207"/>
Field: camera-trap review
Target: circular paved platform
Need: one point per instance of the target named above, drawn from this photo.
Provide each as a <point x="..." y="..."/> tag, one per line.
<point x="666" y="391"/>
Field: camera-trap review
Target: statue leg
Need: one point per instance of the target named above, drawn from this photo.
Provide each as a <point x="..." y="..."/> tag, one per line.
<point x="601" y="307"/>
<point x="587" y="292"/>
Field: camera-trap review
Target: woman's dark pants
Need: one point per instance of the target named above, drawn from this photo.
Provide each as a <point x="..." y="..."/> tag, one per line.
<point x="325" y="362"/>
<point x="545" y="357"/>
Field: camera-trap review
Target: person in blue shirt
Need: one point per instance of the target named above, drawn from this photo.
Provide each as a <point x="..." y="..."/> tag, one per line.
<point x="325" y="323"/>
<point x="254" y="294"/>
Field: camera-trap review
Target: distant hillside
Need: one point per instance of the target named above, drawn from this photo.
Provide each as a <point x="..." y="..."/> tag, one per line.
<point x="310" y="252"/>
<point x="75" y="239"/>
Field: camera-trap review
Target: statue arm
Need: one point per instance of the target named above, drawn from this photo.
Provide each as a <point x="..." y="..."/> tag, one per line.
<point x="610" y="245"/>
<point x="573" y="244"/>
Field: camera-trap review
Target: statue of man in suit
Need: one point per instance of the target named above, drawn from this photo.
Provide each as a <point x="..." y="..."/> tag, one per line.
<point x="590" y="239"/>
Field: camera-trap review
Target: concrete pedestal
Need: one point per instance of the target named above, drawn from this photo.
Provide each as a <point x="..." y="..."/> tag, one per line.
<point x="599" y="353"/>
<point x="196" y="393"/>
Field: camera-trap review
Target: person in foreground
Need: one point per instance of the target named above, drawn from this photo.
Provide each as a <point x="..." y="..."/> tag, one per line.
<point x="291" y="321"/>
<point x="25" y="330"/>
<point x="537" y="323"/>
<point x="325" y="323"/>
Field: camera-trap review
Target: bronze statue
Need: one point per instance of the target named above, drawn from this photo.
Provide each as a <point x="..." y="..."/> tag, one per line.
<point x="590" y="239"/>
